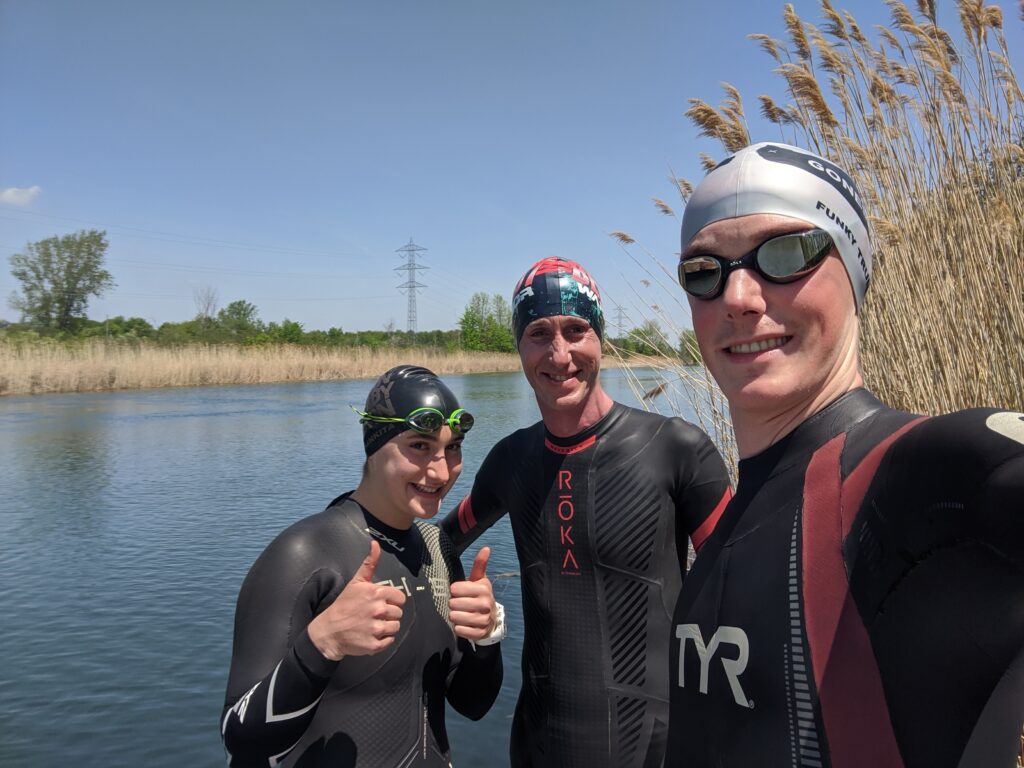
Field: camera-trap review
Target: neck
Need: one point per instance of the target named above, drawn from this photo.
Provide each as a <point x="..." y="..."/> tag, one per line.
<point x="759" y="423"/>
<point x="571" y="421"/>
<point x="758" y="430"/>
<point x="377" y="504"/>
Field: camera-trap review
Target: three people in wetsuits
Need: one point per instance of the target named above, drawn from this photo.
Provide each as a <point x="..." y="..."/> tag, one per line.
<point x="602" y="498"/>
<point x="356" y="624"/>
<point x="861" y="600"/>
<point x="858" y="602"/>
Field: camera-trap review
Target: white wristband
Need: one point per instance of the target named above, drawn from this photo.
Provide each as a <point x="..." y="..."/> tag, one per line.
<point x="499" y="632"/>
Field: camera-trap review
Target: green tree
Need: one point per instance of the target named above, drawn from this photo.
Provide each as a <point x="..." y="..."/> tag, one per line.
<point x="651" y="340"/>
<point x="486" y="324"/>
<point x="288" y="332"/>
<point x="58" y="276"/>
<point x="240" y="319"/>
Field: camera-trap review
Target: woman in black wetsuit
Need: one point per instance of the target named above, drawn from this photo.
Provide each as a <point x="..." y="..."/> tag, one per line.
<point x="355" y="624"/>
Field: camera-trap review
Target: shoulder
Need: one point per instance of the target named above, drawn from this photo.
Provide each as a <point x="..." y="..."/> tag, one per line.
<point x="522" y="438"/>
<point x="977" y="436"/>
<point x="673" y="431"/>
<point x="516" y="444"/>
<point x="320" y="540"/>
<point x="959" y="454"/>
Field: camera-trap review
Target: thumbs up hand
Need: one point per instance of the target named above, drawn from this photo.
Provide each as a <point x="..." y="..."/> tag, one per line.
<point x="471" y="609"/>
<point x="363" y="619"/>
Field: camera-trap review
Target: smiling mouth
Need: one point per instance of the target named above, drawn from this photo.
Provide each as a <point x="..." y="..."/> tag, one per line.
<point x="560" y="378"/>
<point x="758" y="346"/>
<point x="428" y="489"/>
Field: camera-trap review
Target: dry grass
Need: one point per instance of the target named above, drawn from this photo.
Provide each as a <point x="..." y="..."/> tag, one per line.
<point x="931" y="127"/>
<point x="44" y="368"/>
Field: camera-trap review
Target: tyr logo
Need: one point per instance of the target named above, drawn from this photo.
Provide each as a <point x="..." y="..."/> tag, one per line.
<point x="733" y="668"/>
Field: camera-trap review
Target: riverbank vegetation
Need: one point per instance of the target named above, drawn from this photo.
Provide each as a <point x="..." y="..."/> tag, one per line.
<point x="92" y="365"/>
<point x="234" y="346"/>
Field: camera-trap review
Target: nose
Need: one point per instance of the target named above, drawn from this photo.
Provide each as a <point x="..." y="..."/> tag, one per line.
<point x="743" y="293"/>
<point x="437" y="468"/>
<point x="560" y="350"/>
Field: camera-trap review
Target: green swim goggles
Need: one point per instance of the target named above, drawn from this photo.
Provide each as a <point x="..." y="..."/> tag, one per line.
<point x="425" y="420"/>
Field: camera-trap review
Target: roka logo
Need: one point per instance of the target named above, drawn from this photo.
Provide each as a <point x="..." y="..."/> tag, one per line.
<point x="733" y="667"/>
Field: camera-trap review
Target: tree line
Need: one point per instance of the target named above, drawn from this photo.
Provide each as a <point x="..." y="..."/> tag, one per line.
<point x="59" y="275"/>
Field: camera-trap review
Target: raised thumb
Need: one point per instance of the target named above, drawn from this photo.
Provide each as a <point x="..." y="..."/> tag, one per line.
<point x="479" y="570"/>
<point x="369" y="565"/>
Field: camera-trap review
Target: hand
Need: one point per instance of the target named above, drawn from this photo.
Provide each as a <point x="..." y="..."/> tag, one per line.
<point x="363" y="619"/>
<point x="471" y="608"/>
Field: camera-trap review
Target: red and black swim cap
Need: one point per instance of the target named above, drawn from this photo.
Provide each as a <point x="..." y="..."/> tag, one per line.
<point x="556" y="286"/>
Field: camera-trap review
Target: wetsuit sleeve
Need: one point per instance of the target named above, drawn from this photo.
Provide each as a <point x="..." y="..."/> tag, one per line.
<point x="474" y="682"/>
<point x="964" y="474"/>
<point x="702" y="488"/>
<point x="484" y="506"/>
<point x="277" y="675"/>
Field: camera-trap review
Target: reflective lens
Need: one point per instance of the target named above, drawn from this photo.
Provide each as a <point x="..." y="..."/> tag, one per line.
<point x="700" y="276"/>
<point x="790" y="257"/>
<point x="779" y="260"/>
<point x="425" y="420"/>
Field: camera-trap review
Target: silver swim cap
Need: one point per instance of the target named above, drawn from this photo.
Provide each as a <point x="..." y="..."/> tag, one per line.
<point x="778" y="178"/>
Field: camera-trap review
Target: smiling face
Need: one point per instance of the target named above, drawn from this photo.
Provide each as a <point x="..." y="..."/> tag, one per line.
<point x="561" y="357"/>
<point x="409" y="476"/>
<point x="775" y="348"/>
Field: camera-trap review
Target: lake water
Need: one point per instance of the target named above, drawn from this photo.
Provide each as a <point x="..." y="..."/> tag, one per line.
<point x="128" y="521"/>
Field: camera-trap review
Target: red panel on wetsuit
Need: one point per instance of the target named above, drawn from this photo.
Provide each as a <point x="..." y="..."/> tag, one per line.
<point x="699" y="536"/>
<point x="853" y="706"/>
<point x="467" y="520"/>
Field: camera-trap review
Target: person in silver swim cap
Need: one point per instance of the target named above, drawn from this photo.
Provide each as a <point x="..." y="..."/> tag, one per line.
<point x="868" y="554"/>
<point x="786" y="180"/>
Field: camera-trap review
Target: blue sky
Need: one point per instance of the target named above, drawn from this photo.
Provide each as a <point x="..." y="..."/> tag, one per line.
<point x="282" y="152"/>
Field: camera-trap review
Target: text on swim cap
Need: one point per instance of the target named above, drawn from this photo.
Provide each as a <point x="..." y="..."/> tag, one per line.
<point x="527" y="291"/>
<point x="849" y="233"/>
<point x="822" y="169"/>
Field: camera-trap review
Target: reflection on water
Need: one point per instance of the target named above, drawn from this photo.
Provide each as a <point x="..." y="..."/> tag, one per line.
<point x="128" y="522"/>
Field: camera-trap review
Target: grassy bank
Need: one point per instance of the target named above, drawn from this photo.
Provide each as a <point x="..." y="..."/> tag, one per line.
<point x="94" y="366"/>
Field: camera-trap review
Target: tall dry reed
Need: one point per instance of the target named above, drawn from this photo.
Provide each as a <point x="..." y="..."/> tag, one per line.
<point x="37" y="368"/>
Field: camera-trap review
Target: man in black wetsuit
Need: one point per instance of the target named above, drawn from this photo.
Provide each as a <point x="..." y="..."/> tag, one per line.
<point x="601" y="498"/>
<point x="861" y="600"/>
<point x="343" y="659"/>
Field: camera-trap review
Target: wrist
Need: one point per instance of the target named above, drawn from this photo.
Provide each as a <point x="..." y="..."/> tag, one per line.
<point x="499" y="632"/>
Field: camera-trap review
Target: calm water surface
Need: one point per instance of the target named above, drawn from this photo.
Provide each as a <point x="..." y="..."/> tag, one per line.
<point x="128" y="521"/>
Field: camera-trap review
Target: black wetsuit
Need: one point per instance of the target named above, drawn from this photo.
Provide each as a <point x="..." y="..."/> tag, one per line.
<point x="384" y="710"/>
<point x="861" y="601"/>
<point x="598" y="521"/>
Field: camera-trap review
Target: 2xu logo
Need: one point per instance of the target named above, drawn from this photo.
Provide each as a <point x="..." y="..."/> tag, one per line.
<point x="733" y="667"/>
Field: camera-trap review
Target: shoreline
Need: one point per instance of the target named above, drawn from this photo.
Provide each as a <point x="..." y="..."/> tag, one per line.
<point x="41" y="369"/>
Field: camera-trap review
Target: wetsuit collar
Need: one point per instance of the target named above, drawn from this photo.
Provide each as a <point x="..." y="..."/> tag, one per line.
<point x="585" y="438"/>
<point x="838" y="416"/>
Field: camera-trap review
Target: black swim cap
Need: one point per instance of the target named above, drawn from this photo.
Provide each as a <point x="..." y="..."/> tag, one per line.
<point x="556" y="286"/>
<point x="398" y="393"/>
